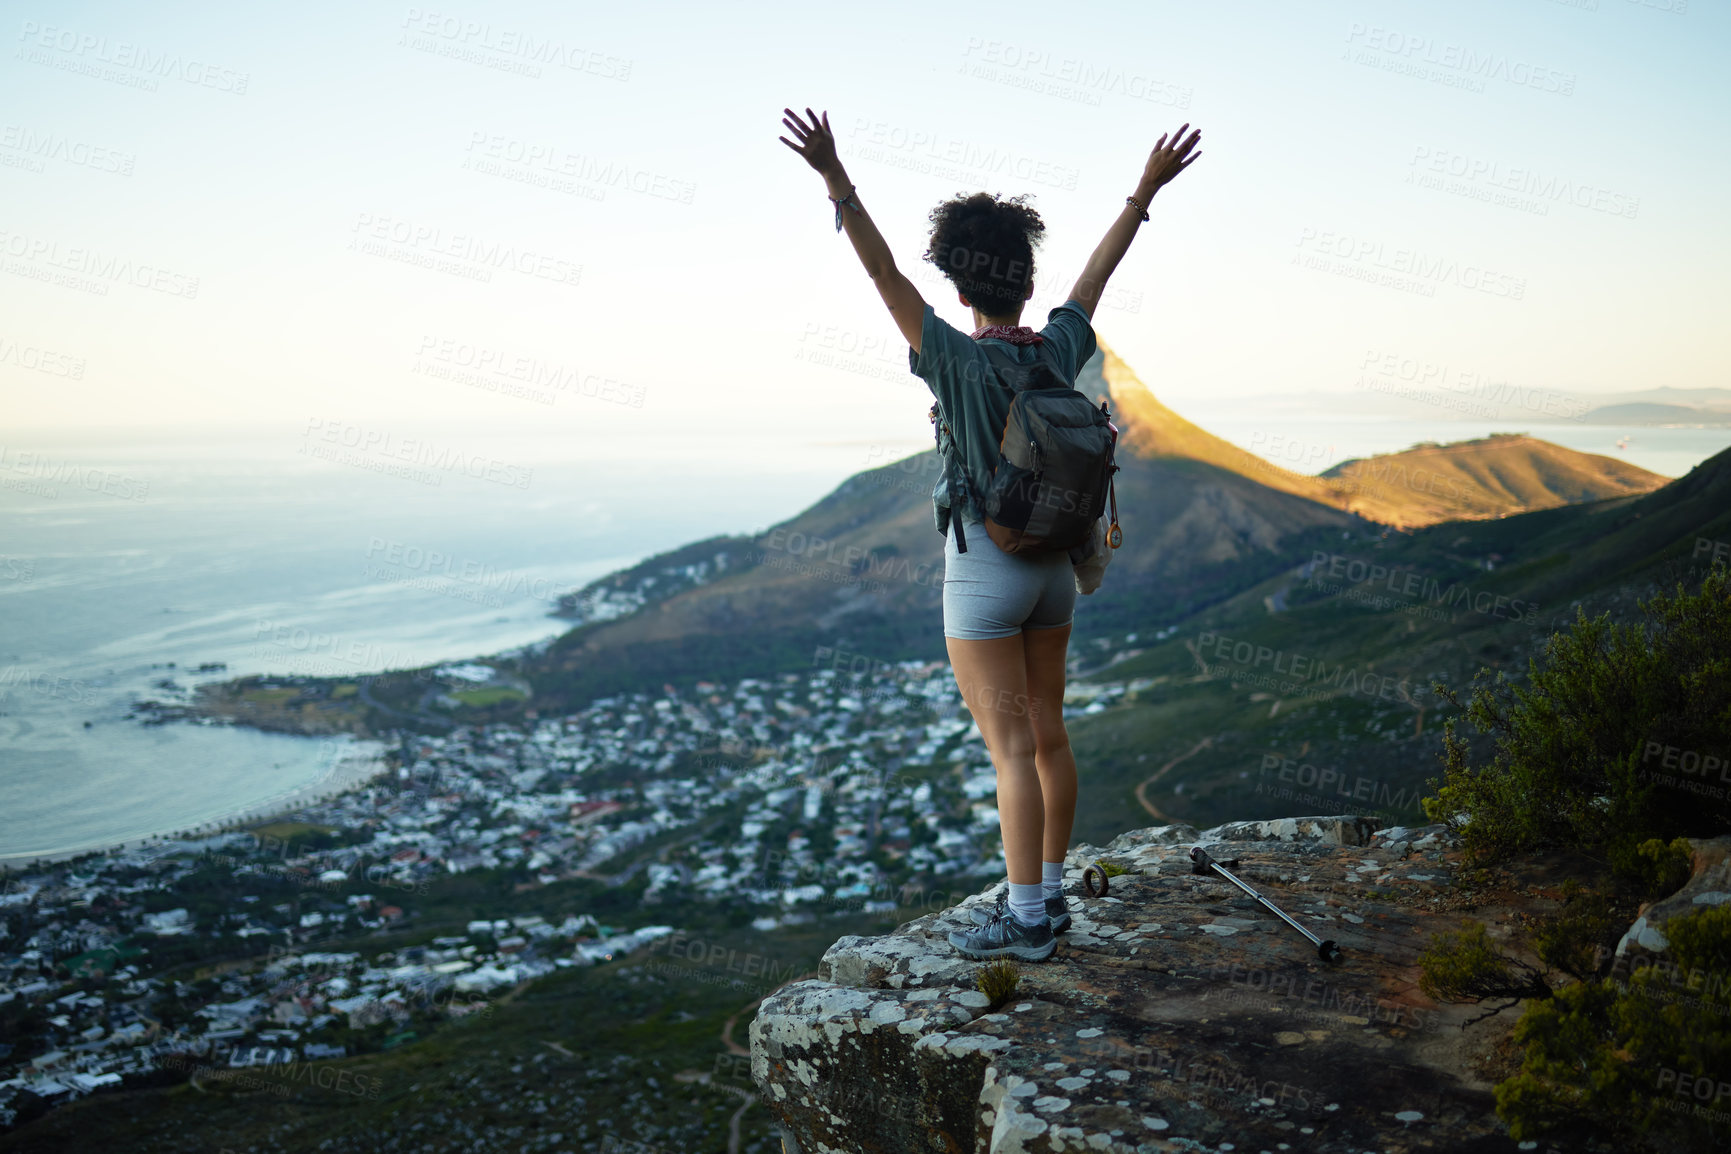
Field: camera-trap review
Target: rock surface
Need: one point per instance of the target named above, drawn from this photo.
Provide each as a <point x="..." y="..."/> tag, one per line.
<point x="1176" y="1014"/>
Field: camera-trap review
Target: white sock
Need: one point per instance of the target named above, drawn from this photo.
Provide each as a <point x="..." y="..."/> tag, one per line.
<point x="1052" y="878"/>
<point x="1028" y="903"/>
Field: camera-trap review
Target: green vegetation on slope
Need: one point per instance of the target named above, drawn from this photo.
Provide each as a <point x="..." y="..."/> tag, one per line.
<point x="1239" y="712"/>
<point x="1641" y="1057"/>
<point x="1609" y="742"/>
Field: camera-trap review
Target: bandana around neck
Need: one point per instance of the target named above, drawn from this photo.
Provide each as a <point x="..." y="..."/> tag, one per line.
<point x="1011" y="334"/>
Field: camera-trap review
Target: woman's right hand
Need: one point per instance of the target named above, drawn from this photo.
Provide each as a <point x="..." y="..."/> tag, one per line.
<point x="1169" y="159"/>
<point x="816" y="141"/>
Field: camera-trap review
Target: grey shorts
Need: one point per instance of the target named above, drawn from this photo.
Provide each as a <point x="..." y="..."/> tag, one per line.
<point x="990" y="594"/>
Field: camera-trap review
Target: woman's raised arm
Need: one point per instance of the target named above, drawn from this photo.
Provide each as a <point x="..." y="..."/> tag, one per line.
<point x="1164" y="163"/>
<point x="817" y="146"/>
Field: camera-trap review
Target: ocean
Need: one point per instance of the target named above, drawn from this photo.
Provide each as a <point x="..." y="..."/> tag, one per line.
<point x="127" y="565"/>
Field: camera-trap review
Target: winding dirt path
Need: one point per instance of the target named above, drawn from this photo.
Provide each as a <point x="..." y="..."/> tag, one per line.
<point x="746" y="1096"/>
<point x="727" y="1030"/>
<point x="1142" y="790"/>
<point x="733" y="1123"/>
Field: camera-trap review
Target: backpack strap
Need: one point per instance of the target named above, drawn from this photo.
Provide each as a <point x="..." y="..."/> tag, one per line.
<point x="956" y="513"/>
<point x="955" y="464"/>
<point x="940" y="430"/>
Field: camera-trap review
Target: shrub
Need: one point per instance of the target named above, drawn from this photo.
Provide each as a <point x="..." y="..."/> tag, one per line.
<point x="1658" y="869"/>
<point x="1577" y="749"/>
<point x="1630" y="1060"/>
<point x="1468" y="967"/>
<point x="1575" y="941"/>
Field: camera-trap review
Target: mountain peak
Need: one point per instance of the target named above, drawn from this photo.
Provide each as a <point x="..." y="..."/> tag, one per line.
<point x="1153" y="431"/>
<point x="1465" y="481"/>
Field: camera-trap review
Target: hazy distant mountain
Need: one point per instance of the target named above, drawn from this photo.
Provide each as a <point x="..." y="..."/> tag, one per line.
<point x="861" y="570"/>
<point x="1665" y="395"/>
<point x="1652" y="413"/>
<point x="1480" y="400"/>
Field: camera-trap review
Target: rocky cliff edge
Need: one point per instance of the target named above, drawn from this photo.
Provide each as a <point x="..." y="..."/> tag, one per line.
<point x="1176" y="1014"/>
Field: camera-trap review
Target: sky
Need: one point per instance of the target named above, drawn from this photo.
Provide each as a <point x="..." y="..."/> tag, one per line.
<point x="576" y="222"/>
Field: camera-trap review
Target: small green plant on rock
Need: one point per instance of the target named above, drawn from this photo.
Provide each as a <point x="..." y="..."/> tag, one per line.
<point x="998" y="981"/>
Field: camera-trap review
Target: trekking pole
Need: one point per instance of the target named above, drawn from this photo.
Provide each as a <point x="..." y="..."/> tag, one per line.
<point x="1201" y="863"/>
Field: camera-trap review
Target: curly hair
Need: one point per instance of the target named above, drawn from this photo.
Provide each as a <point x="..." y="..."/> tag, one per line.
<point x="985" y="244"/>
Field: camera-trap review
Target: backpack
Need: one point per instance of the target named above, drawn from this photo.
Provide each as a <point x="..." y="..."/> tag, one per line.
<point x="1053" y="479"/>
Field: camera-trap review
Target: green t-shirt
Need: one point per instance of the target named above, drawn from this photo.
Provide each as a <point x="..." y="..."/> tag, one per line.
<point x="973" y="399"/>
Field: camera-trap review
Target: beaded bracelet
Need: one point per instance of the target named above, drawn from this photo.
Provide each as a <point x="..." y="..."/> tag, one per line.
<point x="1129" y="200"/>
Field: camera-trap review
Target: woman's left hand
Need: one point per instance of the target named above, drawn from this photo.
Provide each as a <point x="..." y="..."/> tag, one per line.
<point x="816" y="141"/>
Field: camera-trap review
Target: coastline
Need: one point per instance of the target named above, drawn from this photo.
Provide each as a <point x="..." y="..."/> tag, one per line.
<point x="352" y="763"/>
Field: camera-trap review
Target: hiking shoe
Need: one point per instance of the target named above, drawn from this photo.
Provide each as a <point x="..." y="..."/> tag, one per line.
<point x="1057" y="910"/>
<point x="1058" y="913"/>
<point x="1004" y="937"/>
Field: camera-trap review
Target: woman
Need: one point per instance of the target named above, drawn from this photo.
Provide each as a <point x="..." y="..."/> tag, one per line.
<point x="1006" y="617"/>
